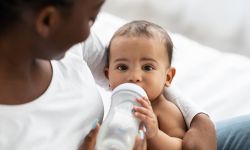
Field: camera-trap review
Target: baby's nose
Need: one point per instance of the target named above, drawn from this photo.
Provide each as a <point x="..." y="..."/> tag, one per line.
<point x="135" y="77"/>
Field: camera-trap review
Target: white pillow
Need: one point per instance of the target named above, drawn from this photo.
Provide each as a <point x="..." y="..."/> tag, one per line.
<point x="218" y="82"/>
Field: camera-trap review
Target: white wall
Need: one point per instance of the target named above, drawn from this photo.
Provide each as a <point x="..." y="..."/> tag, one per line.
<point x="222" y="24"/>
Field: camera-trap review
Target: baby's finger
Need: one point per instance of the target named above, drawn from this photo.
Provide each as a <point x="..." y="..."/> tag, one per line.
<point x="143" y="118"/>
<point x="146" y="99"/>
<point x="144" y="102"/>
<point x="142" y="110"/>
<point x="140" y="143"/>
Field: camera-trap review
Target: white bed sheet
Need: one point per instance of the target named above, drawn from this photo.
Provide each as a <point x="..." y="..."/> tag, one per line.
<point x="218" y="82"/>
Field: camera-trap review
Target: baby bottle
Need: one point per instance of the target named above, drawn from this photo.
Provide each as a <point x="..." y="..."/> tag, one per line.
<point x="120" y="128"/>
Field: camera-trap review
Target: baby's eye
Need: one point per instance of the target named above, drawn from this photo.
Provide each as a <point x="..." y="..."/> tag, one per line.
<point x="122" y="67"/>
<point x="147" y="68"/>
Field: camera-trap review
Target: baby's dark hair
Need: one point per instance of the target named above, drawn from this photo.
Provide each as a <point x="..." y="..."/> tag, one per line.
<point x="11" y="10"/>
<point x="142" y="28"/>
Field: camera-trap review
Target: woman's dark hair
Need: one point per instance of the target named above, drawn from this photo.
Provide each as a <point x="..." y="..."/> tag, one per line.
<point x="11" y="10"/>
<point x="142" y="28"/>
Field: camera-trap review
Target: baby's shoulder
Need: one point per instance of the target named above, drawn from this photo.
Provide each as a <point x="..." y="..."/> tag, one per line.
<point x="165" y="106"/>
<point x="170" y="119"/>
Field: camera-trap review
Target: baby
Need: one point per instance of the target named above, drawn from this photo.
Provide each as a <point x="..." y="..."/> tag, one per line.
<point x="140" y="52"/>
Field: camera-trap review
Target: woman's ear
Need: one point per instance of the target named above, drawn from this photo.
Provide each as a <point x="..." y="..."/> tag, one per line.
<point x="47" y="20"/>
<point x="106" y="72"/>
<point x="169" y="76"/>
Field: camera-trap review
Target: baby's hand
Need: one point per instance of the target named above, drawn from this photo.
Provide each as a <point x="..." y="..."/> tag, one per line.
<point x="147" y="116"/>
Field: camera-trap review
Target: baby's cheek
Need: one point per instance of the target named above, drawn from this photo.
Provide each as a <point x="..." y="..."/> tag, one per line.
<point x="114" y="83"/>
<point x="153" y="94"/>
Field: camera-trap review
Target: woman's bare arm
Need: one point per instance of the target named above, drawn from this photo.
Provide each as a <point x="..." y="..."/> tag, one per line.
<point x="201" y="134"/>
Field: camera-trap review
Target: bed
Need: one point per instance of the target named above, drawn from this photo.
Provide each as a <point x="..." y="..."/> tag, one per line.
<point x="218" y="82"/>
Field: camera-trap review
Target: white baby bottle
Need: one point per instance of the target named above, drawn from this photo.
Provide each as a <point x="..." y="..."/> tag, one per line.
<point x="120" y="128"/>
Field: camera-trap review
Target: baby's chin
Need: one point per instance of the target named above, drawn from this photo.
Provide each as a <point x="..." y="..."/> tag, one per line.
<point x="154" y="98"/>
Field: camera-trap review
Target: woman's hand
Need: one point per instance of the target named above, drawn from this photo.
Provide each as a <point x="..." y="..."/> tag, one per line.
<point x="147" y="117"/>
<point x="90" y="139"/>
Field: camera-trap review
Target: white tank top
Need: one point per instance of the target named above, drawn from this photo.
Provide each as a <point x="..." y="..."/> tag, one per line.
<point x="61" y="117"/>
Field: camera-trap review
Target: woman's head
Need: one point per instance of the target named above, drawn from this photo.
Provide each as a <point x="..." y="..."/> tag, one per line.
<point x="11" y="11"/>
<point x="49" y="27"/>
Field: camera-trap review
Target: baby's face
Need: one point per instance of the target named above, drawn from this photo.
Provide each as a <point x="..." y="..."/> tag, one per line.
<point x="139" y="60"/>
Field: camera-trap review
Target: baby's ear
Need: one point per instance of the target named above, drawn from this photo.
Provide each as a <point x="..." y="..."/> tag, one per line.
<point x="106" y="72"/>
<point x="170" y="76"/>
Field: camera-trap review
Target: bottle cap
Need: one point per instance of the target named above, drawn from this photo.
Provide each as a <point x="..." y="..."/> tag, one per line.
<point x="130" y="87"/>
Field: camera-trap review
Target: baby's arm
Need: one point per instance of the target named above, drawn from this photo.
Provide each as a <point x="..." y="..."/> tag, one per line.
<point x="169" y="136"/>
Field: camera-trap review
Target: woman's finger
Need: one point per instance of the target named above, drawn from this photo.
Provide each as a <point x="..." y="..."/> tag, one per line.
<point x="90" y="139"/>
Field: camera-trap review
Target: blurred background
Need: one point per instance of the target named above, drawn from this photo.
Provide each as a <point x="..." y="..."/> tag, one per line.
<point x="212" y="47"/>
<point x="221" y="24"/>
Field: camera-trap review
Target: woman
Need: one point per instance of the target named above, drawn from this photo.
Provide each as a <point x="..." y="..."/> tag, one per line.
<point x="44" y="104"/>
